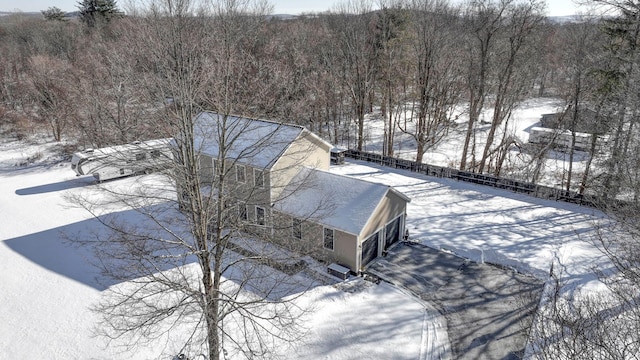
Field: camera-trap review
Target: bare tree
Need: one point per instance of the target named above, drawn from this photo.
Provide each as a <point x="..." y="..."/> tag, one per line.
<point x="594" y="324"/>
<point x="51" y="92"/>
<point x="485" y="22"/>
<point x="199" y="272"/>
<point x="605" y="325"/>
<point x="391" y="33"/>
<point x="354" y="61"/>
<point x="618" y="86"/>
<point x="581" y="56"/>
<point x="27" y="44"/>
<point x="110" y="89"/>
<point x="502" y="32"/>
<point x="327" y="95"/>
<point x="577" y="53"/>
<point x="512" y="76"/>
<point x="436" y="75"/>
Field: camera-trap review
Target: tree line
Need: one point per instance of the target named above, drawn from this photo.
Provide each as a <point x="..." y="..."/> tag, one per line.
<point x="112" y="77"/>
<point x="420" y="65"/>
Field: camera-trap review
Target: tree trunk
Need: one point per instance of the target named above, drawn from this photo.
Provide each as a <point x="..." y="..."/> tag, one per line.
<point x="571" y="155"/>
<point x="496" y="120"/>
<point x="585" y="175"/>
<point x="390" y="124"/>
<point x="473" y="118"/>
<point x="360" y="117"/>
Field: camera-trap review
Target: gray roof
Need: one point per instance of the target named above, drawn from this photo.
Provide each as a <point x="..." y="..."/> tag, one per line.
<point x="333" y="200"/>
<point x="258" y="143"/>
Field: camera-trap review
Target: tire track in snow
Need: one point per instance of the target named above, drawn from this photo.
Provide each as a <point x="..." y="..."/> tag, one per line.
<point x="435" y="339"/>
<point x="433" y="347"/>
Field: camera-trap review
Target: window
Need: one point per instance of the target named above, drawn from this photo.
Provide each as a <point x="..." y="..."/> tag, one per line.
<point x="240" y="173"/>
<point x="258" y="178"/>
<point x="141" y="156"/>
<point x="296" y="228"/>
<point x="242" y="212"/>
<point x="259" y="215"/>
<point x="328" y="239"/>
<point x="155" y="154"/>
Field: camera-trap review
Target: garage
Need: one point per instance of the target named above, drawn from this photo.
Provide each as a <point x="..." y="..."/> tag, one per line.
<point x="369" y="249"/>
<point x="392" y="232"/>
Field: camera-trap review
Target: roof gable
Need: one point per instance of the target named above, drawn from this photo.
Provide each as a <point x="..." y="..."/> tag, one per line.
<point x="333" y="200"/>
<point x="258" y="143"/>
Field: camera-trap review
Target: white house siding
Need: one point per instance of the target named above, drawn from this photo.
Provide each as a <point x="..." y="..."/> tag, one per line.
<point x="390" y="207"/>
<point x="306" y="151"/>
<point x="345" y="250"/>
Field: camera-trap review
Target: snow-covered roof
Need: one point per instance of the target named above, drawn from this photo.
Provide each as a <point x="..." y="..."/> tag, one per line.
<point x="333" y="200"/>
<point x="125" y="149"/>
<point x="258" y="143"/>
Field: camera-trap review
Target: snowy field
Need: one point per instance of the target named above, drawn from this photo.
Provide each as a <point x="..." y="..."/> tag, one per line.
<point x="48" y="287"/>
<point x="487" y="224"/>
<point x="492" y="225"/>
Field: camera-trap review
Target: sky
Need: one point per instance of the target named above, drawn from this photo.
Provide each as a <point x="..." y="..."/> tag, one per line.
<point x="554" y="7"/>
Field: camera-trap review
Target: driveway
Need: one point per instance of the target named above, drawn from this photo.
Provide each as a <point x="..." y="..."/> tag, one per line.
<point x="488" y="308"/>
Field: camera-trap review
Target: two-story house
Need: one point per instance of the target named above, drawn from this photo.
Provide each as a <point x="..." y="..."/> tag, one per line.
<point x="279" y="175"/>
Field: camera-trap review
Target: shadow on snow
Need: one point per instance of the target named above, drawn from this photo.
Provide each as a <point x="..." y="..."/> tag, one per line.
<point x="60" y="250"/>
<point x="58" y="186"/>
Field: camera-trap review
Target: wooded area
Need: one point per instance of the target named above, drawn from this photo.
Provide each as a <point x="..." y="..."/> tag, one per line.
<point x="421" y="65"/>
<point x="113" y="76"/>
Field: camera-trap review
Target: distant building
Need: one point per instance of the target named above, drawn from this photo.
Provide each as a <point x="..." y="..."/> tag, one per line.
<point x="561" y="131"/>
<point x="588" y="121"/>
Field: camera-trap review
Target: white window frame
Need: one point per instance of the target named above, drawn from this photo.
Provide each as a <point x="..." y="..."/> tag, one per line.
<point x="258" y="174"/>
<point x="324" y="238"/>
<point x="244" y="174"/>
<point x="264" y="216"/>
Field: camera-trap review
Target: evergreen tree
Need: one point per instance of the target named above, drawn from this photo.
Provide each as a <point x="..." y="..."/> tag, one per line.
<point x="94" y="12"/>
<point x="619" y="80"/>
<point x="54" y="14"/>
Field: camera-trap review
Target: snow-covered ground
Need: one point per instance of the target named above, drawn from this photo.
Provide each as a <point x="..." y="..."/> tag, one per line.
<point x="486" y="224"/>
<point x="449" y="150"/>
<point x="48" y="287"/>
<point x="492" y="225"/>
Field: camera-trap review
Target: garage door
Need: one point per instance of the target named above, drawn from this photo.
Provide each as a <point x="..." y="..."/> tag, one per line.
<point x="392" y="232"/>
<point x="369" y="249"/>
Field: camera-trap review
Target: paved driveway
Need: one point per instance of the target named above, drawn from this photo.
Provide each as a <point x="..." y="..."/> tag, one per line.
<point x="487" y="307"/>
